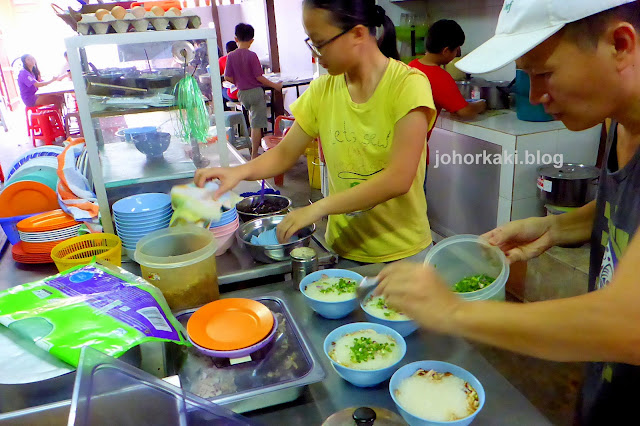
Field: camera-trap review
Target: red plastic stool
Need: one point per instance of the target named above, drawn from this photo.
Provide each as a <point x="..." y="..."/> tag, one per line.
<point x="32" y="126"/>
<point x="1" y="175"/>
<point x="270" y="141"/>
<point x="50" y="124"/>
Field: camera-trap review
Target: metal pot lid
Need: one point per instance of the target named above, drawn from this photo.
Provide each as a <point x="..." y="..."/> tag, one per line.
<point x="364" y="416"/>
<point x="569" y="171"/>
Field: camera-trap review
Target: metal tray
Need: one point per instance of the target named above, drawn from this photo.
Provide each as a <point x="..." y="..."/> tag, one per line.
<point x="276" y="374"/>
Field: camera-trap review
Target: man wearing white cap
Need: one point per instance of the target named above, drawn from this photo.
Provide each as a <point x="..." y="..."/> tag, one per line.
<point x="583" y="58"/>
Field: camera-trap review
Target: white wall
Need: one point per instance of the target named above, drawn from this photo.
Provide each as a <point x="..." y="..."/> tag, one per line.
<point x="253" y="13"/>
<point x="478" y="19"/>
<point x="295" y="56"/>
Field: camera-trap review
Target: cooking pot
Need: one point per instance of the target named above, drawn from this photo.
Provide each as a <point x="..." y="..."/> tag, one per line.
<point x="464" y="86"/>
<point x="496" y="93"/>
<point x="572" y="185"/>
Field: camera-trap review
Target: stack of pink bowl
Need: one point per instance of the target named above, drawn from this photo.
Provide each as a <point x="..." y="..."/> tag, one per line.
<point x="225" y="229"/>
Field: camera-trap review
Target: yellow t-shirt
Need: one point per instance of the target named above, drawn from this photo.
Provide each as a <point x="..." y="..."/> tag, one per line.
<point x="356" y="141"/>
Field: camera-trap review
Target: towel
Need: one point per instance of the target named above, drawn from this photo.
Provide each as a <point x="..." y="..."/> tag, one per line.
<point x="75" y="195"/>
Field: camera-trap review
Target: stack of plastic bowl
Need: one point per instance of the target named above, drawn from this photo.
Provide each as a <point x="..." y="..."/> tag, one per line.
<point x="139" y="215"/>
<point x="225" y="229"/>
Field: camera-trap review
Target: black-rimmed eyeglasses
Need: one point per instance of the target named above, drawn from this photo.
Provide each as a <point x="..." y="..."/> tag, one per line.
<point x="315" y="48"/>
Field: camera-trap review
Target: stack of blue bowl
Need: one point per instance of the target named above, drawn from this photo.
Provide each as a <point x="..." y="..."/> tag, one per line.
<point x="227" y="218"/>
<point x="139" y="215"/>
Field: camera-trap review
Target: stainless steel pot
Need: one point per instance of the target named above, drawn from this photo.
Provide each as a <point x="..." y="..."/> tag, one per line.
<point x="464" y="86"/>
<point x="276" y="252"/>
<point x="572" y="185"/>
<point x="496" y="93"/>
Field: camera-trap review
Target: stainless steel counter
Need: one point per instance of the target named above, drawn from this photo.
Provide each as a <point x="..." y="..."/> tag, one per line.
<point x="504" y="403"/>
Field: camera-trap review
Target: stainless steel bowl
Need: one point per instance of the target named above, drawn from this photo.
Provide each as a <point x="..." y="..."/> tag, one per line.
<point x="244" y="206"/>
<point x="271" y="253"/>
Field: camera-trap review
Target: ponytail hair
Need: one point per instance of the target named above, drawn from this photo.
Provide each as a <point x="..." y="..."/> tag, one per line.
<point x="346" y="14"/>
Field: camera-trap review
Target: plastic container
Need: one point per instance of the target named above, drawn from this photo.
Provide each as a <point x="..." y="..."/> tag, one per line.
<point x="10" y="229"/>
<point x="108" y="391"/>
<point x="441" y="367"/>
<point x="364" y="378"/>
<point x="525" y="111"/>
<point x="331" y="310"/>
<point x="464" y="255"/>
<point x="181" y="262"/>
<point x="81" y="250"/>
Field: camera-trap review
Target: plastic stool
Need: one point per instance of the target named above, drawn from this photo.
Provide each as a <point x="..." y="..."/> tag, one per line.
<point x="233" y="119"/>
<point x="67" y="128"/>
<point x="32" y="126"/>
<point x="282" y="124"/>
<point x="50" y="124"/>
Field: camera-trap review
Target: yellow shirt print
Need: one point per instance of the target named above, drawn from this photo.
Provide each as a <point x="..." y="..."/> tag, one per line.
<point x="357" y="141"/>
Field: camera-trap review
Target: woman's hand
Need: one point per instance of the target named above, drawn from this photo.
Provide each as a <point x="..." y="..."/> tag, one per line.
<point x="523" y="239"/>
<point x="296" y="220"/>
<point x="421" y="293"/>
<point x="229" y="177"/>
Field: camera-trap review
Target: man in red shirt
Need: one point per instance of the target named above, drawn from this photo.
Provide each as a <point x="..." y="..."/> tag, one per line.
<point x="443" y="45"/>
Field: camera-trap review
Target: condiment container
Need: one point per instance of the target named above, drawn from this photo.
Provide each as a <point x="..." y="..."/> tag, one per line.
<point x="304" y="261"/>
<point x="462" y="256"/>
<point x="181" y="262"/>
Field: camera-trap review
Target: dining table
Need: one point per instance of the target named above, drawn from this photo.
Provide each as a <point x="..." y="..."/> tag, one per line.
<point x="56" y="88"/>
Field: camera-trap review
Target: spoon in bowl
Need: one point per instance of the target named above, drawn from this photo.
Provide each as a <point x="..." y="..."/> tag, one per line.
<point x="365" y="286"/>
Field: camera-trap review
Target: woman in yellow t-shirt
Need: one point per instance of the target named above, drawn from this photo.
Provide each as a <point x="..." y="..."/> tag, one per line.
<point x="372" y="114"/>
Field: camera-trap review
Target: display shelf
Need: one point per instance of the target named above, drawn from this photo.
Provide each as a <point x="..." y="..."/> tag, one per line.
<point x="117" y="165"/>
<point x="124" y="165"/>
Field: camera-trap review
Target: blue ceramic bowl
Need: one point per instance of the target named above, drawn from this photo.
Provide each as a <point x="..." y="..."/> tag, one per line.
<point x="404" y="328"/>
<point x="331" y="310"/>
<point x="441" y="367"/>
<point x="127" y="134"/>
<point x="129" y="232"/>
<point x="143" y="219"/>
<point x="132" y="206"/>
<point x="363" y="378"/>
<point x="153" y="145"/>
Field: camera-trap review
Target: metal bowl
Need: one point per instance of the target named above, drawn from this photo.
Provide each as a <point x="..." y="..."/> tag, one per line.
<point x="244" y="206"/>
<point x="276" y="252"/>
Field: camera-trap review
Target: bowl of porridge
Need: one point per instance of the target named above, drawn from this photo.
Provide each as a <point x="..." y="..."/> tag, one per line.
<point x="331" y="292"/>
<point x="364" y="353"/>
<point x="430" y="393"/>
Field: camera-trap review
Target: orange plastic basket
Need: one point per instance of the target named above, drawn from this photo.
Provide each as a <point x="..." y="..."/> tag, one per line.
<point x="81" y="250"/>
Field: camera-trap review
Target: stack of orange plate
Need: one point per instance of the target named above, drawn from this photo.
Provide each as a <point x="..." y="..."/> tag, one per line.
<point x="230" y="325"/>
<point x="19" y="255"/>
<point x="42" y="232"/>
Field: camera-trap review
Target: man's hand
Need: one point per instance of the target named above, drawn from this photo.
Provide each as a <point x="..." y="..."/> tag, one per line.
<point x="523" y="239"/>
<point x="421" y="293"/>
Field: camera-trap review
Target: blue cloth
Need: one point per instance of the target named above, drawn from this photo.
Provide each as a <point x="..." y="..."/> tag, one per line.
<point x="268" y="238"/>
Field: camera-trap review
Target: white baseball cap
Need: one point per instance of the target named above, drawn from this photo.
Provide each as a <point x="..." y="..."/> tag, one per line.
<point x="524" y="24"/>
